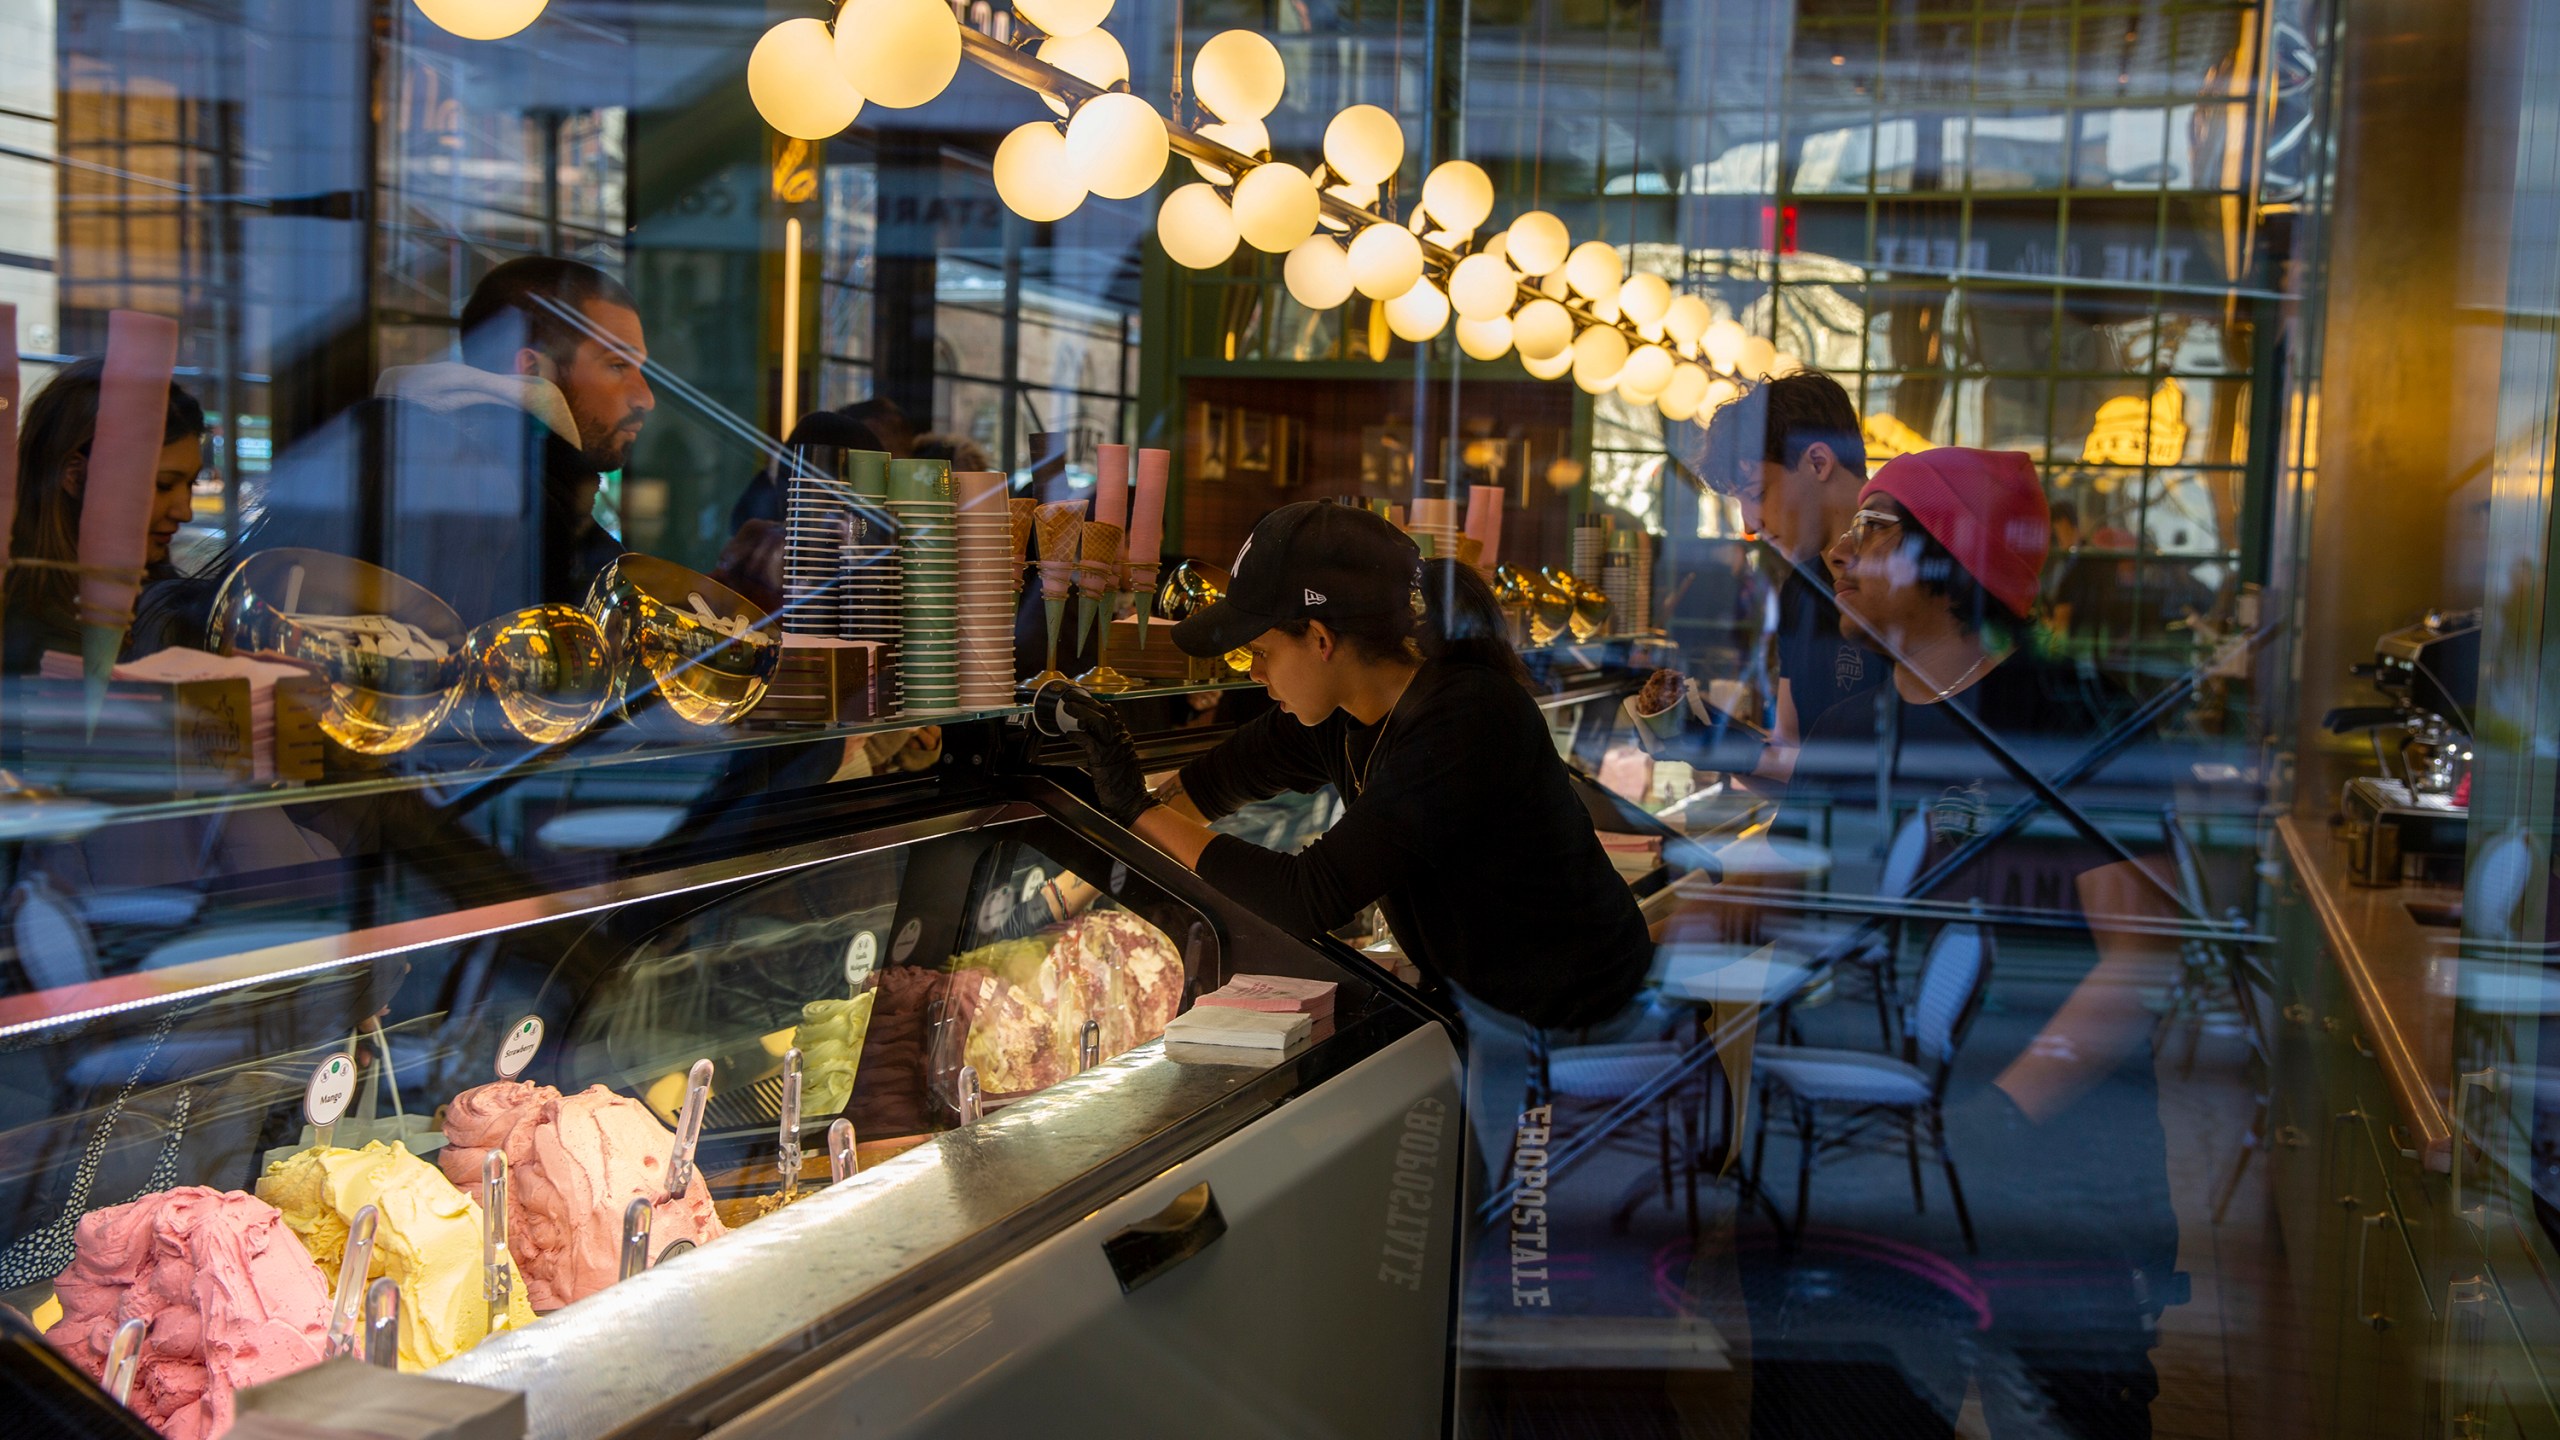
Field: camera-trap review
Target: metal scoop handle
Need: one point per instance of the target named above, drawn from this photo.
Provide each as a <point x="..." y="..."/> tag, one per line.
<point x="382" y="1324"/>
<point x="345" y="1315"/>
<point x="497" y="1266"/>
<point x="789" y="1158"/>
<point x="124" y="1356"/>
<point x="840" y="1161"/>
<point x="697" y="1093"/>
<point x="638" y="1218"/>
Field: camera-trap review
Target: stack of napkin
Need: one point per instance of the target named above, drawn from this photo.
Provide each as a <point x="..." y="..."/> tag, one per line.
<point x="1277" y="994"/>
<point x="176" y="666"/>
<point x="1234" y="1029"/>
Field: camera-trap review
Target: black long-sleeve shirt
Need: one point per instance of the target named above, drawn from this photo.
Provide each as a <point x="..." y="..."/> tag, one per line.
<point x="1461" y="821"/>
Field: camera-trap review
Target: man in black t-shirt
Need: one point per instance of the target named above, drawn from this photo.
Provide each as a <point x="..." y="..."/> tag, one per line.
<point x="1937" y="571"/>
<point x="1790" y="454"/>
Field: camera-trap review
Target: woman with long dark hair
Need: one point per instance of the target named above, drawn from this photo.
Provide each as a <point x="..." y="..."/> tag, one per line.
<point x="1394" y="685"/>
<point x="54" y="439"/>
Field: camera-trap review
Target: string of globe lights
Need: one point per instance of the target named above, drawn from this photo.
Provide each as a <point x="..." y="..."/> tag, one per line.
<point x="1563" y="308"/>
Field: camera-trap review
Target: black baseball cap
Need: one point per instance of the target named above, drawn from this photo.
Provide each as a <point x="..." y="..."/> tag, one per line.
<point x="1314" y="560"/>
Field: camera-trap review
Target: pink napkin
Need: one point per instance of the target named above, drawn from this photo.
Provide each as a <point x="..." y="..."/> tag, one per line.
<point x="1281" y="994"/>
<point x="1111" y="485"/>
<point x="1146" y="517"/>
<point x="8" y="427"/>
<point x="1484" y="521"/>
<point x="115" y="508"/>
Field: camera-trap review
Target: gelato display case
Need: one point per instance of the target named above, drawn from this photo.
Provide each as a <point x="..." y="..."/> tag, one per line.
<point x="715" y="1090"/>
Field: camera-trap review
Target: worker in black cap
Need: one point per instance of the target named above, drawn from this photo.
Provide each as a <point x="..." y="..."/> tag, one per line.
<point x="1394" y="685"/>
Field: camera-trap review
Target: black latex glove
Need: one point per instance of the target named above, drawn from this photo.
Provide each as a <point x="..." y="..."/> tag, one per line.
<point x="1104" y="750"/>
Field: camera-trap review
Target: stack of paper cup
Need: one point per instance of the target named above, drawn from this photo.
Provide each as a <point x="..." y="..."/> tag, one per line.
<point x="921" y="501"/>
<point x="986" y="590"/>
<point x="818" y="523"/>
<point x="1435" y="527"/>
<point x="873" y="607"/>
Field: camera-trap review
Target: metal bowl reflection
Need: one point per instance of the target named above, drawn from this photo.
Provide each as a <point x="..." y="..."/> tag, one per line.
<point x="701" y="646"/>
<point x="391" y="651"/>
<point x="548" y="669"/>
<point x="1188" y="589"/>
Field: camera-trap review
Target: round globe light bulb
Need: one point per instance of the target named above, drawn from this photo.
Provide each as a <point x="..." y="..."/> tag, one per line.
<point x="1542" y="330"/>
<point x="1385" y="261"/>
<point x="1633" y="398"/>
<point x="1722" y="344"/>
<point x="898" y="53"/>
<point x="1482" y="288"/>
<point x="1197" y="228"/>
<point x="1594" y="270"/>
<point x="483" y="19"/>
<point x="1599" y="353"/>
<point x="1645" y="298"/>
<point x="1648" y="370"/>
<point x="1606" y="308"/>
<point x="1538" y="243"/>
<point x="1485" y="339"/>
<point x="1688" y="386"/>
<point x="1276" y="207"/>
<point x="1785" y="363"/>
<point x="1239" y="75"/>
<point x="1720" y="393"/>
<point x="1118" y="144"/>
<point x="1364" y="145"/>
<point x="1458" y="194"/>
<point x="1686" y="320"/>
<point x="792" y="77"/>
<point x="1245" y="137"/>
<point x="1554" y="286"/>
<point x="1758" y="354"/>
<point x="1034" y="177"/>
<point x="1419" y="313"/>
<point x="1317" y="273"/>
<point x="1063" y="17"/>
<point x="1553" y="367"/>
<point x="1089" y="55"/>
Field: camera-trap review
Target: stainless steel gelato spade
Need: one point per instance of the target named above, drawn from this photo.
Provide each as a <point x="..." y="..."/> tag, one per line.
<point x="789" y="1159"/>
<point x="124" y="1356"/>
<point x="840" y="1161"/>
<point x="348" y="1312"/>
<point x="497" y="1267"/>
<point x="638" y="1218"/>
<point x="697" y="1093"/>
<point x="382" y="1324"/>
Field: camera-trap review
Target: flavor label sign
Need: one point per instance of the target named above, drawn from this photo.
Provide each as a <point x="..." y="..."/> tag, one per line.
<point x="859" y="957"/>
<point x="517" y="1050"/>
<point x="332" y="1089"/>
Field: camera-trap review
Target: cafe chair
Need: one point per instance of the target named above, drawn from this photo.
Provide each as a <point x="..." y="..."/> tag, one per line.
<point x="1591" y="1078"/>
<point x="2207" y="967"/>
<point x="1874" y="950"/>
<point x="1841" y="1099"/>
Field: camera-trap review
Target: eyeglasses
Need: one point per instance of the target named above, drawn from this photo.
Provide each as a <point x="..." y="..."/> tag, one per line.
<point x="1867" y="523"/>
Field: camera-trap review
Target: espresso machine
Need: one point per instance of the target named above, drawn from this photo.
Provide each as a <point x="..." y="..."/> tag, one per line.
<point x="2411" y="821"/>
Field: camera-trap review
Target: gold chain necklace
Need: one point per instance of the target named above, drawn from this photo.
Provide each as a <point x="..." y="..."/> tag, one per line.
<point x="1962" y="680"/>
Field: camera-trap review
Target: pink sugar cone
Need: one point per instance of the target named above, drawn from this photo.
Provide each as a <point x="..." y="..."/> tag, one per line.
<point x="1146" y="511"/>
<point x="115" y="507"/>
<point x="1111" y="485"/>
<point x="1484" y="520"/>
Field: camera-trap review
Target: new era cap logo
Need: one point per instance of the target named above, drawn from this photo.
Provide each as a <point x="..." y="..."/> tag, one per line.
<point x="1314" y="599"/>
<point x="1238" y="567"/>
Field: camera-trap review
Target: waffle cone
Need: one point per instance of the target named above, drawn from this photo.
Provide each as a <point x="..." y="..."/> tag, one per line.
<point x="1022" y="511"/>
<point x="1061" y="525"/>
<point x="1100" y="569"/>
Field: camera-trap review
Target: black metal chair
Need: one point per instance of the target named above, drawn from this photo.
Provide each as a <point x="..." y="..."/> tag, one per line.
<point x="1839" y="1099"/>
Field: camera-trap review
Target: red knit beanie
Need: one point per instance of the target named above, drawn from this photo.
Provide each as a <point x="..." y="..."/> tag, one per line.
<point x="1986" y="506"/>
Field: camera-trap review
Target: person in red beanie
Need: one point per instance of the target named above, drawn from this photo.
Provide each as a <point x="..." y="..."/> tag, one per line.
<point x="1938" y="569"/>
